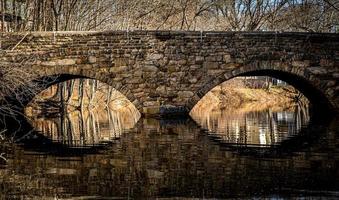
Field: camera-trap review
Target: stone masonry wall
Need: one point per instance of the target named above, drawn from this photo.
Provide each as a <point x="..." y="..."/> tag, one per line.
<point x="165" y="72"/>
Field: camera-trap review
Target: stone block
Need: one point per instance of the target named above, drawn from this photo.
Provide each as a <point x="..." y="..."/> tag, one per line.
<point x="118" y="69"/>
<point x="227" y="58"/>
<point x="134" y="80"/>
<point x="193" y="80"/>
<point x="151" y="103"/>
<point x="168" y="110"/>
<point x="151" y="110"/>
<point x="326" y="63"/>
<point x="210" y="65"/>
<point x="92" y="59"/>
<point x="48" y="63"/>
<point x="161" y="89"/>
<point x="185" y="94"/>
<point x="66" y="62"/>
<point x="150" y="68"/>
<point x="172" y="68"/>
<point x="305" y="63"/>
<point x="155" y="56"/>
<point x="317" y="70"/>
<point x="182" y="62"/>
<point x="199" y="59"/>
<point x="214" y="72"/>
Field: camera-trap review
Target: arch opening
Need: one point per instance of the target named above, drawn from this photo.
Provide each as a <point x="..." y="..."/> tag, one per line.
<point x="78" y="111"/>
<point x="319" y="103"/>
<point x="255" y="110"/>
<point x="23" y="95"/>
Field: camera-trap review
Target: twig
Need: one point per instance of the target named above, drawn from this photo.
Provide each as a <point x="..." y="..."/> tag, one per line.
<point x="23" y="137"/>
<point x="19" y="42"/>
<point x="1" y="156"/>
<point x="1" y="136"/>
<point x="2" y="131"/>
<point x="331" y="4"/>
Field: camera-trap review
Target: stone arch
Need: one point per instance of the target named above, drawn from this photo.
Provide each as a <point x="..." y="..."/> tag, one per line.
<point x="58" y="75"/>
<point x="300" y="78"/>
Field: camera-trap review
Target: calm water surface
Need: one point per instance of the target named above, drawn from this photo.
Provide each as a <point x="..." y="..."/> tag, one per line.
<point x="272" y="152"/>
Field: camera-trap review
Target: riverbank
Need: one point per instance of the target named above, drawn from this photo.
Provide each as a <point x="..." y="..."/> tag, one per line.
<point x="234" y="95"/>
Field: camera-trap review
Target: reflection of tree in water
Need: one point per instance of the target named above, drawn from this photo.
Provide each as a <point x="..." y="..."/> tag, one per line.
<point x="252" y="123"/>
<point x="82" y="112"/>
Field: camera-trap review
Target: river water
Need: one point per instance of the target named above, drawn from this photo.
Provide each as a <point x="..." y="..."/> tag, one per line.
<point x="272" y="152"/>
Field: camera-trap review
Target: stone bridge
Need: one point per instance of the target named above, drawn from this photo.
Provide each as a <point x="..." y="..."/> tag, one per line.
<point x="164" y="72"/>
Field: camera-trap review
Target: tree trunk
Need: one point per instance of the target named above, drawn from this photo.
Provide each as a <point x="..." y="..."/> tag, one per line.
<point x="62" y="98"/>
<point x="70" y="89"/>
<point x="81" y="93"/>
<point x="2" y="2"/>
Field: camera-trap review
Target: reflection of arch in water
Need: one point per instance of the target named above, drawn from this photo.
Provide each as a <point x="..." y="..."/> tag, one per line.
<point x="253" y="127"/>
<point x="307" y="138"/>
<point x="301" y="79"/>
<point x="87" y="127"/>
<point x="20" y="131"/>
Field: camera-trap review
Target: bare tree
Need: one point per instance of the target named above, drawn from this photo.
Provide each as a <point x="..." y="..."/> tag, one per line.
<point x="308" y="15"/>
